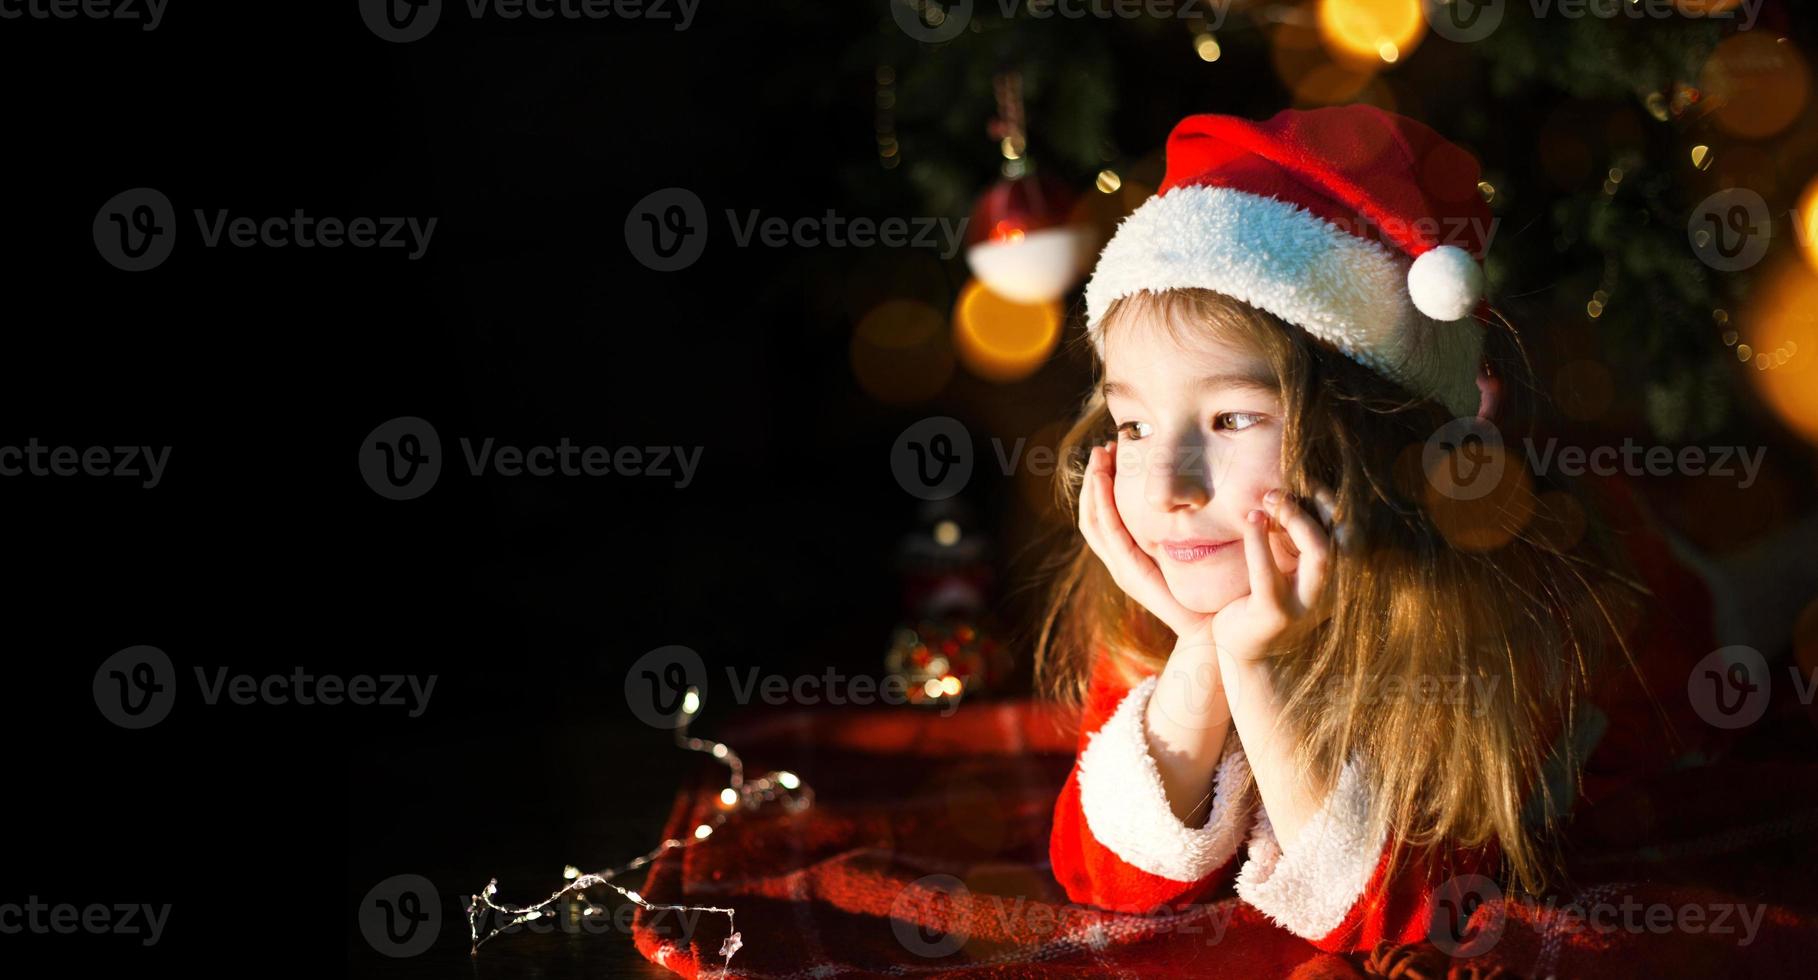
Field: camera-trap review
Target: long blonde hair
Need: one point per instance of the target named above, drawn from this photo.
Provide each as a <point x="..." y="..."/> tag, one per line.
<point x="1518" y="595"/>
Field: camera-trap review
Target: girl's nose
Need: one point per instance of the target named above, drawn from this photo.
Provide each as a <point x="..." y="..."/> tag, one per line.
<point x="1177" y="477"/>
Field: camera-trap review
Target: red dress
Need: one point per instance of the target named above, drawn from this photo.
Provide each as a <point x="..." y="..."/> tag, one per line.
<point x="1116" y="843"/>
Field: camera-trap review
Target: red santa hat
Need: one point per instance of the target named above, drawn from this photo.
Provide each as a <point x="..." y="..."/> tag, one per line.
<point x="1363" y="227"/>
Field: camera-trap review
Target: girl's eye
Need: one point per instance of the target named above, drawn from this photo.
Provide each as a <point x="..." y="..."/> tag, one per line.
<point x="1142" y="430"/>
<point x="1235" y="421"/>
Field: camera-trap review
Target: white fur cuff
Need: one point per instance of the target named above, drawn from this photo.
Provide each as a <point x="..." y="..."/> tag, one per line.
<point x="1311" y="888"/>
<point x="1126" y="808"/>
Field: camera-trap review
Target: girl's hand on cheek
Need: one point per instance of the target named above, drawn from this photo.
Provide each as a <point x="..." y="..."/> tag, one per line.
<point x="1250" y="627"/>
<point x="1130" y="567"/>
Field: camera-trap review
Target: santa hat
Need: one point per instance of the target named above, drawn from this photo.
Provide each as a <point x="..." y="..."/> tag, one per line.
<point x="1363" y="227"/>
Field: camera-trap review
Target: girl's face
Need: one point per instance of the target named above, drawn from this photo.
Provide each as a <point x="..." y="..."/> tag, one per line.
<point x="1199" y="427"/>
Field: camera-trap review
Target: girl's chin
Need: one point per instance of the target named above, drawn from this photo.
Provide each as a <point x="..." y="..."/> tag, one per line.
<point x="1206" y="592"/>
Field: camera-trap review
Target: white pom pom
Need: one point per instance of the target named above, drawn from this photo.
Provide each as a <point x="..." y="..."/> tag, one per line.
<point x="1445" y="283"/>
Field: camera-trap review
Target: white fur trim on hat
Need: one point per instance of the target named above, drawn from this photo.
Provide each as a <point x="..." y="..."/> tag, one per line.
<point x="1311" y="887"/>
<point x="1279" y="257"/>
<point x="1126" y="808"/>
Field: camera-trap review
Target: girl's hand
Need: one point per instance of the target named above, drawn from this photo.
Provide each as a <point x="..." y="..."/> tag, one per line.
<point x="1251" y="626"/>
<point x="1130" y="567"/>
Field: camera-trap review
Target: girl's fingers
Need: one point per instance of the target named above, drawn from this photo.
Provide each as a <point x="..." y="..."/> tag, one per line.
<point x="1267" y="585"/>
<point x="1130" y="567"/>
<point x="1308" y="537"/>
<point x="1313" y="545"/>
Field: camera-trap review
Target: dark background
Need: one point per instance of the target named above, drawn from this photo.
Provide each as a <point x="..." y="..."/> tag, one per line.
<point x="529" y="321"/>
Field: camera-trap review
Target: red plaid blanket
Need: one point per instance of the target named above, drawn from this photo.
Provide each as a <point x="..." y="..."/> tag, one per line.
<point x="926" y="854"/>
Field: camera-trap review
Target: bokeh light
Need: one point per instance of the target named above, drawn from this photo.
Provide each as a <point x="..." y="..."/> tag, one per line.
<point x="1757" y="82"/>
<point x="900" y="353"/>
<point x="1306" y="66"/>
<point x="1362" y="32"/>
<point x="1781" y="328"/>
<point x="1000" y="340"/>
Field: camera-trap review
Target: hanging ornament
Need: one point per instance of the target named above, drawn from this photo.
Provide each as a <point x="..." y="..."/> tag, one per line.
<point x="1022" y="241"/>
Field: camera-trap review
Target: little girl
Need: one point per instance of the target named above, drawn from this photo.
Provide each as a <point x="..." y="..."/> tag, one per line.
<point x="1317" y="612"/>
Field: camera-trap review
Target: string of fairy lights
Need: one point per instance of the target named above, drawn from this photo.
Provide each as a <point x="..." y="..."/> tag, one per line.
<point x="739" y="796"/>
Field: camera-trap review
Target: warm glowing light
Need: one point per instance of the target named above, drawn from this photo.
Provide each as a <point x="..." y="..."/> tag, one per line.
<point x="1757" y="84"/>
<point x="900" y="353"/>
<point x="932" y="687"/>
<point x="1207" y="47"/>
<point x="1805" y="223"/>
<point x="788" y="780"/>
<point x="729" y="796"/>
<point x="1784" y="318"/>
<point x="950" y="685"/>
<point x="1000" y="340"/>
<point x="1310" y="70"/>
<point x="691" y="702"/>
<point x="1108" y="181"/>
<point x="1370" y="30"/>
<point x="1701" y="157"/>
<point x="946" y="534"/>
<point x="703" y="831"/>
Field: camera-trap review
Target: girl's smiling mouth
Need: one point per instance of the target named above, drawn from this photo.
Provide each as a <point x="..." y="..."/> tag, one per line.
<point x="1195" y="549"/>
